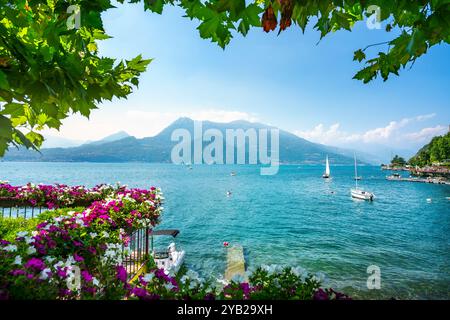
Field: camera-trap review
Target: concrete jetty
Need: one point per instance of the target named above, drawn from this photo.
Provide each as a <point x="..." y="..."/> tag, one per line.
<point x="235" y="262"/>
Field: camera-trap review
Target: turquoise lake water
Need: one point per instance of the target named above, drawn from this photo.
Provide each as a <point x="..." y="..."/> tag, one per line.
<point x="293" y="218"/>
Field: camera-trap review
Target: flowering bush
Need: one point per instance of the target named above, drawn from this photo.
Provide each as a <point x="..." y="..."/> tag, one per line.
<point x="265" y="283"/>
<point x="78" y="254"/>
<point x="54" y="196"/>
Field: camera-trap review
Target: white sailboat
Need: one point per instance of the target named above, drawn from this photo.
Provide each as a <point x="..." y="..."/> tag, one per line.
<point x="326" y="175"/>
<point x="358" y="193"/>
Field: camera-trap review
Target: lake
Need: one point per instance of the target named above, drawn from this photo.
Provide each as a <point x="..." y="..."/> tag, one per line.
<point x="293" y="218"/>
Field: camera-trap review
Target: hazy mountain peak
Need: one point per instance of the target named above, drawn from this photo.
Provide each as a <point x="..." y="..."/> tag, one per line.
<point x="111" y="138"/>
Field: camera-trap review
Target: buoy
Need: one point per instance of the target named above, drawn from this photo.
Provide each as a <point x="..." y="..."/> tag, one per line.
<point x="225" y="244"/>
<point x="429" y="200"/>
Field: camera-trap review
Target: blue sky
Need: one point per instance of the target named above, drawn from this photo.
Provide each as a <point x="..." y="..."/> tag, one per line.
<point x="285" y="80"/>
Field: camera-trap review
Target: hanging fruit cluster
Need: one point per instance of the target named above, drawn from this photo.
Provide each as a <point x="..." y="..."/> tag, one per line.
<point x="269" y="19"/>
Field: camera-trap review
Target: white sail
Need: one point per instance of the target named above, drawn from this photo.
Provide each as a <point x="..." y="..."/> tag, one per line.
<point x="327" y="167"/>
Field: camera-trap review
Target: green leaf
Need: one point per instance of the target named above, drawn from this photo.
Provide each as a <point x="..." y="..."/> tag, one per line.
<point x="154" y="5"/>
<point x="4" y="84"/>
<point x="5" y="127"/>
<point x="359" y="55"/>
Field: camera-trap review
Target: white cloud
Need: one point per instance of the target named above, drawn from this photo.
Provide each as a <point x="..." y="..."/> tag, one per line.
<point x="387" y="134"/>
<point x="427" y="133"/>
<point x="322" y="135"/>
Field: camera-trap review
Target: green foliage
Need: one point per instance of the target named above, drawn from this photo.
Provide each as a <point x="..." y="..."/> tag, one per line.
<point x="437" y="151"/>
<point x="398" y="161"/>
<point x="49" y="70"/>
<point x="50" y="214"/>
<point x="9" y="227"/>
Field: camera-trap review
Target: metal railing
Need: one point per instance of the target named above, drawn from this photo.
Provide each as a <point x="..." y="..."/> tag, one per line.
<point x="139" y="246"/>
<point x="21" y="212"/>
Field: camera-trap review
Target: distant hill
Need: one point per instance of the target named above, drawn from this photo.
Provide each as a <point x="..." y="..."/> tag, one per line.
<point x="437" y="151"/>
<point x="125" y="148"/>
<point x="113" y="137"/>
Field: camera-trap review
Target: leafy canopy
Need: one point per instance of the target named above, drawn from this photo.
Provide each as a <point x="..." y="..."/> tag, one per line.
<point x="48" y="71"/>
<point x="398" y="161"/>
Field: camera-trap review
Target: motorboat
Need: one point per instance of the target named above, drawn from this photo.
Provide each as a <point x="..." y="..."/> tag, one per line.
<point x="170" y="258"/>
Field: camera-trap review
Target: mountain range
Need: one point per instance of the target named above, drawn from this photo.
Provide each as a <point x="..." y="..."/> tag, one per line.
<point x="121" y="147"/>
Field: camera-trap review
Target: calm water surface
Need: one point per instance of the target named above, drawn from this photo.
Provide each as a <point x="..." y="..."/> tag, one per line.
<point x="293" y="218"/>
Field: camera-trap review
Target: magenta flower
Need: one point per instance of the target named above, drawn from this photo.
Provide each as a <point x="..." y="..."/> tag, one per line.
<point x="86" y="276"/>
<point x="139" y="292"/>
<point x="18" y="272"/>
<point x="121" y="274"/>
<point x="35" y="263"/>
<point x="78" y="258"/>
<point x="320" y="295"/>
<point x="92" y="250"/>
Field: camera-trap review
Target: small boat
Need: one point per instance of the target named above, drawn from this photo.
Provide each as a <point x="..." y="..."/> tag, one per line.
<point x="170" y="259"/>
<point x="229" y="193"/>
<point x="358" y="178"/>
<point x="361" y="194"/>
<point x="394" y="176"/>
<point x="326" y="175"/>
<point x="233" y="174"/>
<point x="358" y="193"/>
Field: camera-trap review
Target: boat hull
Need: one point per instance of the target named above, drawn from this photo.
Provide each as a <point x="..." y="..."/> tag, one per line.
<point x="362" y="195"/>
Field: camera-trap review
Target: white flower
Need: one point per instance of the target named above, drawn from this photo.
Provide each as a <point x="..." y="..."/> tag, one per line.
<point x="184" y="279"/>
<point x="105" y="234"/>
<point x="169" y="286"/>
<point x="31" y="250"/>
<point x="319" y="276"/>
<point x="192" y="274"/>
<point x="28" y="240"/>
<point x="10" y="248"/>
<point x="93" y="234"/>
<point x="95" y="281"/>
<point x="18" y="260"/>
<point x="148" y="277"/>
<point x="70" y="261"/>
<point x="299" y="272"/>
<point x="22" y="234"/>
<point x="44" y="274"/>
<point x="49" y="259"/>
<point x="34" y="233"/>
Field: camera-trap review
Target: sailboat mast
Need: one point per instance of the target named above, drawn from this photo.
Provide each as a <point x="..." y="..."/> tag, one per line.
<point x="356" y="173"/>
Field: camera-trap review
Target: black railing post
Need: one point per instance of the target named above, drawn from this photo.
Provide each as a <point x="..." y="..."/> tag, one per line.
<point x="147" y="230"/>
